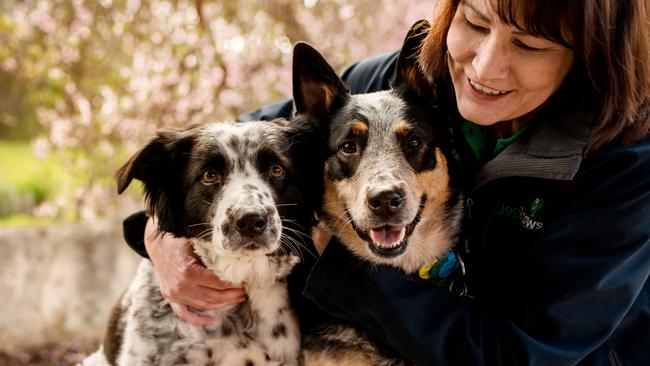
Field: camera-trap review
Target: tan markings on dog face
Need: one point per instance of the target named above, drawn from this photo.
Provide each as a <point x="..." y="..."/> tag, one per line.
<point x="359" y="128"/>
<point x="333" y="203"/>
<point x="337" y="195"/>
<point x="402" y="128"/>
<point x="431" y="238"/>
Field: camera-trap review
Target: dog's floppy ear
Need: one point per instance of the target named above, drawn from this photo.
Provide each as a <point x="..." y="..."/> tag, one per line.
<point x="315" y="83"/>
<point x="158" y="165"/>
<point x="407" y="71"/>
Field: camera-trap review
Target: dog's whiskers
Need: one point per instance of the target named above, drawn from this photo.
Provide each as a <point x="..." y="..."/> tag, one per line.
<point x="342" y="216"/>
<point x="299" y="233"/>
<point x="348" y="223"/>
<point x="297" y="243"/>
<point x="294" y="222"/>
<point x="335" y="203"/>
<point x="211" y="204"/>
<point x="204" y="233"/>
<point x="287" y="244"/>
<point x="291" y="221"/>
<point x="293" y="242"/>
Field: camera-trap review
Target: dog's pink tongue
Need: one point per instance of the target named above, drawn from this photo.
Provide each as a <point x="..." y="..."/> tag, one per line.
<point x="387" y="235"/>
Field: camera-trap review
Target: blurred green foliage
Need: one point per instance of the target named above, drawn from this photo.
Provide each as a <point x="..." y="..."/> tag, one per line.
<point x="88" y="82"/>
<point x="25" y="180"/>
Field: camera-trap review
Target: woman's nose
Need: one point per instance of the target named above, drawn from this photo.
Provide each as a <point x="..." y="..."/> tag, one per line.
<point x="492" y="59"/>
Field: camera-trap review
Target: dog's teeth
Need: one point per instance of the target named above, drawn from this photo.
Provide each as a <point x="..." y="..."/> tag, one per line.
<point x="402" y="234"/>
<point x="387" y="236"/>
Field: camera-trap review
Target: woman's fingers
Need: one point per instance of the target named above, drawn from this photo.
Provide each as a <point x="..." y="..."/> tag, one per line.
<point x="184" y="281"/>
<point x="204" y="277"/>
<point x="219" y="298"/>
<point x="184" y="313"/>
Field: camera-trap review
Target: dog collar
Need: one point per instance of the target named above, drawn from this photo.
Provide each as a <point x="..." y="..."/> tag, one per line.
<point x="442" y="269"/>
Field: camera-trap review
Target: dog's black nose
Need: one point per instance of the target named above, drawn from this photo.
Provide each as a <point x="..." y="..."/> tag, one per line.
<point x="385" y="203"/>
<point x="251" y="223"/>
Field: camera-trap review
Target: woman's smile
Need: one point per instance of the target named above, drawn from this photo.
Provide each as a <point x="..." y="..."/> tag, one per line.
<point x="500" y="72"/>
<point x="484" y="91"/>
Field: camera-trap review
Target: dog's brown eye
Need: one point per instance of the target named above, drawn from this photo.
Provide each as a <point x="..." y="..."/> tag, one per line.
<point x="276" y="171"/>
<point x="414" y="142"/>
<point x="210" y="177"/>
<point x="348" y="147"/>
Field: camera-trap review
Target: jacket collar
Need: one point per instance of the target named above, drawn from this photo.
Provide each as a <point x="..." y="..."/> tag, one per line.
<point x="553" y="150"/>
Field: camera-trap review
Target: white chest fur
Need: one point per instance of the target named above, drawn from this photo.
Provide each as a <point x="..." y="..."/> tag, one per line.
<point x="263" y="330"/>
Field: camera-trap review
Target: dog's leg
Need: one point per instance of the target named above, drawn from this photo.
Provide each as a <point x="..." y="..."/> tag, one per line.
<point x="277" y="328"/>
<point x="115" y="331"/>
<point x="341" y="345"/>
<point x="147" y="314"/>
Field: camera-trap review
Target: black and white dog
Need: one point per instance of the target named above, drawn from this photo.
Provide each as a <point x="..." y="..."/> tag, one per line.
<point x="391" y="193"/>
<point x="233" y="188"/>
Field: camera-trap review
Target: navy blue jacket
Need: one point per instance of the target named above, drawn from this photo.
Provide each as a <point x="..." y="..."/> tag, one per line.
<point x="557" y="255"/>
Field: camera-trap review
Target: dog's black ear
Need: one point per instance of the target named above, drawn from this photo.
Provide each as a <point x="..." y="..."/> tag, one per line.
<point x="148" y="164"/>
<point x="158" y="165"/>
<point x="315" y="83"/>
<point x="407" y="71"/>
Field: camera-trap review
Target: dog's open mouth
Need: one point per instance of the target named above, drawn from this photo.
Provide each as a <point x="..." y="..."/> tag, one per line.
<point x="389" y="240"/>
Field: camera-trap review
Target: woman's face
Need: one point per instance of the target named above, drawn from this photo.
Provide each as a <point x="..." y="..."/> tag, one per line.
<point x="499" y="72"/>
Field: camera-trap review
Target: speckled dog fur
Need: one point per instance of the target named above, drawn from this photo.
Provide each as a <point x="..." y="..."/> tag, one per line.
<point x="228" y="186"/>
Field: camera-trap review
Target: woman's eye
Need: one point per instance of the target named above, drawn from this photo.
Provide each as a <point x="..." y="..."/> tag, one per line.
<point x="476" y="27"/>
<point x="348" y="147"/>
<point x="276" y="171"/>
<point x="210" y="177"/>
<point x="414" y="142"/>
<point x="526" y="47"/>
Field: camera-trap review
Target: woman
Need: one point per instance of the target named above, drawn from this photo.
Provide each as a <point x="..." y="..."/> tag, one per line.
<point x="557" y="155"/>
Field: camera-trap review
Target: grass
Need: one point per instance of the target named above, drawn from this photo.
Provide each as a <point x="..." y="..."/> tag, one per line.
<point x="20" y="168"/>
<point x="25" y="181"/>
<point x="16" y="220"/>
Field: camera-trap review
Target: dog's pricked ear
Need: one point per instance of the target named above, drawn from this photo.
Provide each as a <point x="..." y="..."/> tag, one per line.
<point x="407" y="71"/>
<point x="315" y="83"/>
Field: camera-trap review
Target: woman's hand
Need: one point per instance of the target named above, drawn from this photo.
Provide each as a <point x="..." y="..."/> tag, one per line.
<point x="184" y="281"/>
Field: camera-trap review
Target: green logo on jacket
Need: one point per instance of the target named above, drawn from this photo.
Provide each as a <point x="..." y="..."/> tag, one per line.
<point x="526" y="218"/>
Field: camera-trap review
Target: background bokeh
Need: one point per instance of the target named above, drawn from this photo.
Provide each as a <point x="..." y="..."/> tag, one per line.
<point x="83" y="83"/>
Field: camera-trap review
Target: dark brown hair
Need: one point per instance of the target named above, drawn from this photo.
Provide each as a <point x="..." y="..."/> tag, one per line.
<point x="611" y="44"/>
